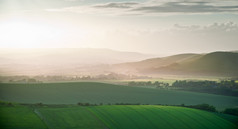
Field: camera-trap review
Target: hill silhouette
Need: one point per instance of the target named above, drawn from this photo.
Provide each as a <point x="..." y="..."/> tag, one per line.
<point x="214" y="64"/>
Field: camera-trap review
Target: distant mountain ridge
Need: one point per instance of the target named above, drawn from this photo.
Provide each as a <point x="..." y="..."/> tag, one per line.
<point x="71" y="55"/>
<point x="214" y="64"/>
<point x="60" y="61"/>
<point x="87" y="61"/>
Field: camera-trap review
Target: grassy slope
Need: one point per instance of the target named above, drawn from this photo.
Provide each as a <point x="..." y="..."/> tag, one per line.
<point x="155" y="117"/>
<point x="113" y="117"/>
<point x="231" y="118"/>
<point x="211" y="64"/>
<point x="155" y="62"/>
<point x="216" y="63"/>
<point x="72" y="93"/>
<point x="74" y="117"/>
<point x="19" y="118"/>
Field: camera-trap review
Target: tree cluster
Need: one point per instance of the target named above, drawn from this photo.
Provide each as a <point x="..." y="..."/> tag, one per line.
<point x="205" y="107"/>
<point x="55" y="78"/>
<point x="225" y="87"/>
<point x="231" y="111"/>
<point x="148" y="83"/>
<point x="28" y="80"/>
<point x="225" y="84"/>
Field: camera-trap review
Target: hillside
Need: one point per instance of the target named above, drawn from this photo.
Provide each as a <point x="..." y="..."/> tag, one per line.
<point x="211" y="64"/>
<point x="88" y="61"/>
<point x="96" y="93"/>
<point x="112" y="117"/>
<point x="19" y="117"/>
<point x="153" y="62"/>
<point x="61" y="61"/>
<point x="216" y="63"/>
<point x="156" y="117"/>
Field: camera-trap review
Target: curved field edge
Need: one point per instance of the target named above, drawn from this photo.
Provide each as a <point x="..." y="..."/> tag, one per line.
<point x="110" y="117"/>
<point x="20" y="117"/>
<point x="153" y="117"/>
<point x="96" y="93"/>
<point x="70" y="118"/>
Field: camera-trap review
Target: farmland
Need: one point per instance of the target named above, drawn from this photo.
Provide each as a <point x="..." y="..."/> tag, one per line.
<point x="96" y="93"/>
<point x="118" y="64"/>
<point x="113" y="117"/>
<point x="70" y="117"/>
<point x="155" y="117"/>
<point x="53" y="106"/>
<point x="19" y="117"/>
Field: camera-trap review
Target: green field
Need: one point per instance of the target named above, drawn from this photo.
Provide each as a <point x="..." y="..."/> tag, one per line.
<point x="111" y="117"/>
<point x="95" y="93"/>
<point x="19" y="117"/>
<point x="73" y="117"/>
<point x="156" y="117"/>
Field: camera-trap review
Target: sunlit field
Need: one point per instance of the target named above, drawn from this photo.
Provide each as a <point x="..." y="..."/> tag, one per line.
<point x="113" y="117"/>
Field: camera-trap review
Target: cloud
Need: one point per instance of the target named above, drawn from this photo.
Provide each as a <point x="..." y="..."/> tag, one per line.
<point x="227" y="27"/>
<point x="117" y="5"/>
<point x="186" y="7"/>
<point x="156" y="7"/>
<point x="181" y="38"/>
<point x="71" y="0"/>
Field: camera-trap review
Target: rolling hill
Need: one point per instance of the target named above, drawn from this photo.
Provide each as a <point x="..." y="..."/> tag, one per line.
<point x="216" y="63"/>
<point x="211" y="64"/>
<point x="96" y="93"/>
<point x="87" y="61"/>
<point x="112" y="117"/>
<point x="61" y="61"/>
<point x="154" y="62"/>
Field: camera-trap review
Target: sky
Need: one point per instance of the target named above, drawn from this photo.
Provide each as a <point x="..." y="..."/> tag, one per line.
<point x="162" y="27"/>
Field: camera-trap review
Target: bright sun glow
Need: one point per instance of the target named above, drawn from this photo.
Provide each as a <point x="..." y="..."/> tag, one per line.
<point x="25" y="35"/>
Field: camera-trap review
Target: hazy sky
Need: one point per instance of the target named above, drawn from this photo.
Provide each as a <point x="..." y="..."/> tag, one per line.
<point x="149" y="26"/>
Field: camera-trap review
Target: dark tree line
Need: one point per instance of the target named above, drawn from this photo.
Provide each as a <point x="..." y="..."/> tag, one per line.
<point x="231" y="111"/>
<point x="225" y="84"/>
<point x="148" y="83"/>
<point x="55" y="78"/>
<point x="28" y="80"/>
<point x="205" y="107"/>
<point x="225" y="87"/>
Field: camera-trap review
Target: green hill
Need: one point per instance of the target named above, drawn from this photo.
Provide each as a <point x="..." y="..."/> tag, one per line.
<point x="19" y="117"/>
<point x="112" y="117"/>
<point x="211" y="64"/>
<point x="156" y="117"/>
<point x="154" y="62"/>
<point x="217" y="63"/>
<point x="96" y="93"/>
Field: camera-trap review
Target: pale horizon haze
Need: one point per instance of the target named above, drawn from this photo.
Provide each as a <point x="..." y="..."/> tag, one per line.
<point x="161" y="27"/>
